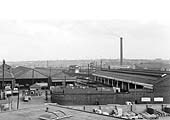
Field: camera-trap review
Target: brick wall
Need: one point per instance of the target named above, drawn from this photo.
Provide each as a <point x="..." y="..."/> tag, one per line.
<point x="162" y="89"/>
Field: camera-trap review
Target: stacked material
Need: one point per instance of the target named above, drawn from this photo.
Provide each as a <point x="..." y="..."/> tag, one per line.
<point x="98" y="111"/>
<point x="131" y="116"/>
<point x="149" y="116"/>
<point x="117" y="112"/>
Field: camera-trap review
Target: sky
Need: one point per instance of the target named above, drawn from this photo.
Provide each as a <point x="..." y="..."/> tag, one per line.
<point x="84" y="29"/>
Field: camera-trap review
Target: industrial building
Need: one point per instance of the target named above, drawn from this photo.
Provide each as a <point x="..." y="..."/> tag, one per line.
<point x="119" y="86"/>
<point x="7" y="74"/>
<point x="25" y="77"/>
<point x="139" y="86"/>
<point x="62" y="79"/>
<point x="9" y="79"/>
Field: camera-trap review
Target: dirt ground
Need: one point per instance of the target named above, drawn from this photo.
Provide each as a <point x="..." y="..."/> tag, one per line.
<point x="36" y="107"/>
<point x="33" y="113"/>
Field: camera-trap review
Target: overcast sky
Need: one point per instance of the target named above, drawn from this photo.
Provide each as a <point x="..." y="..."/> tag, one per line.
<point x="89" y="29"/>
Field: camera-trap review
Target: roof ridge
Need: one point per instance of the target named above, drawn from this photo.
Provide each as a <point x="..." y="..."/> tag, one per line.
<point x="40" y="72"/>
<point x="59" y="72"/>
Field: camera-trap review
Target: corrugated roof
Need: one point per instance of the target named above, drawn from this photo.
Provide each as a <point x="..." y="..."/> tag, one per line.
<point x="128" y="77"/>
<point x="31" y="74"/>
<point x="18" y="71"/>
<point x="62" y="75"/>
<point x="27" y="73"/>
<point x="72" y="80"/>
<point x="7" y="74"/>
<point x="48" y="71"/>
<point x="6" y="67"/>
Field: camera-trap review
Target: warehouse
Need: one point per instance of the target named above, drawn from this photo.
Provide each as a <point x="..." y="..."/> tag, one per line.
<point x="138" y="84"/>
<point x="27" y="76"/>
<point x="9" y="79"/>
<point x="57" y="76"/>
<point x="62" y="79"/>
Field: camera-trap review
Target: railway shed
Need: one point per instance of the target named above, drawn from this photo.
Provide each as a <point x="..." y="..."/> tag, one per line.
<point x="27" y="76"/>
<point x="137" y="84"/>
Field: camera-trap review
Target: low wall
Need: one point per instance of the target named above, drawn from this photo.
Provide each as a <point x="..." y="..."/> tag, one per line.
<point x="93" y="97"/>
<point x="83" y="99"/>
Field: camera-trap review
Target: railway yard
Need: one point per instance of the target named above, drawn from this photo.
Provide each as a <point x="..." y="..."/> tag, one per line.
<point x="38" y="109"/>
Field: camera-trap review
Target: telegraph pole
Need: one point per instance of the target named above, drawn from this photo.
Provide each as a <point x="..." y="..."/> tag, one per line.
<point x="101" y="62"/>
<point x="49" y="79"/>
<point x="3" y="75"/>
<point x="18" y="98"/>
<point x="32" y="76"/>
<point x="65" y="81"/>
<point x="88" y="70"/>
<point x="3" y="78"/>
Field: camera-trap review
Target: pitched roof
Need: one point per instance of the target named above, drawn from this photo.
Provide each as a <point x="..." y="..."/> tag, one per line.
<point x="62" y="75"/>
<point x="27" y="73"/>
<point x="48" y="71"/>
<point x="18" y="71"/>
<point x="146" y="79"/>
<point x="6" y="67"/>
<point x="7" y="74"/>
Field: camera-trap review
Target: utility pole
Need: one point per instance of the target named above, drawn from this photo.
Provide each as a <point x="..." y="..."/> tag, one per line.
<point x="65" y="81"/>
<point x="88" y="70"/>
<point x="49" y="79"/>
<point x="101" y="64"/>
<point x="3" y="78"/>
<point x="32" y="76"/>
<point x="18" y="98"/>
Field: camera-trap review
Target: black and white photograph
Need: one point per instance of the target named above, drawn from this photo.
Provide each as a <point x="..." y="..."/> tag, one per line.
<point x="84" y="60"/>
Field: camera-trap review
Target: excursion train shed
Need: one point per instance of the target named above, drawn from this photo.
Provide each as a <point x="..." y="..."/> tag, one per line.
<point x="128" y="81"/>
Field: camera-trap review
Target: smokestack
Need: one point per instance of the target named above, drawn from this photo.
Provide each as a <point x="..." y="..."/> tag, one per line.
<point x="121" y="51"/>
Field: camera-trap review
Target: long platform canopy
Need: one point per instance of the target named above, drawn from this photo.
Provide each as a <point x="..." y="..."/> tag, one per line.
<point x="144" y="80"/>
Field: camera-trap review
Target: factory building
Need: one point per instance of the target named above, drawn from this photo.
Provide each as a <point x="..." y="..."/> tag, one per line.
<point x="140" y="86"/>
